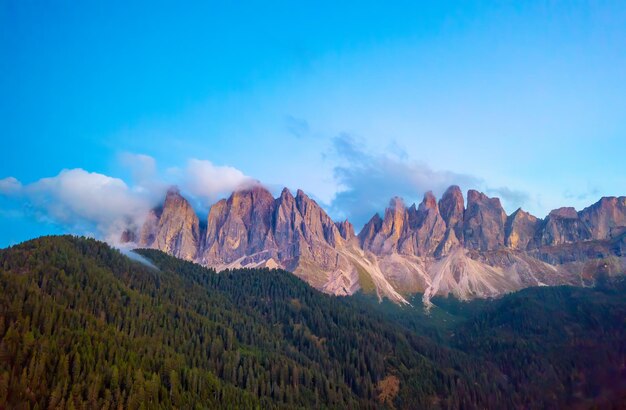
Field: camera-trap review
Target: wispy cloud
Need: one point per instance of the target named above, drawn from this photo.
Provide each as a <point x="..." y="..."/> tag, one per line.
<point x="368" y="180"/>
<point x="512" y="197"/>
<point x="298" y="127"/>
<point x="591" y="192"/>
<point x="10" y="186"/>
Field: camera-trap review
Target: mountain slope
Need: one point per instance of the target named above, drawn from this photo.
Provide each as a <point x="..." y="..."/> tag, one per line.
<point x="571" y="340"/>
<point x="84" y="326"/>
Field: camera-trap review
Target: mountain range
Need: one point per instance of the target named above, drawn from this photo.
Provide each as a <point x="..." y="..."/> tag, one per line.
<point x="439" y="247"/>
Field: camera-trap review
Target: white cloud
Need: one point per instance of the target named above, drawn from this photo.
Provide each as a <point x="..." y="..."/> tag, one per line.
<point x="10" y="186"/>
<point x="95" y="204"/>
<point x="208" y="182"/>
<point x="84" y="202"/>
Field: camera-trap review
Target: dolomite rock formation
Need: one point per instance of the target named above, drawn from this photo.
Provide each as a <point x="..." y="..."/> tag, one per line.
<point x="437" y="248"/>
<point x="483" y="222"/>
<point x="606" y="217"/>
<point x="562" y="225"/>
<point x="174" y="229"/>
<point x="520" y="229"/>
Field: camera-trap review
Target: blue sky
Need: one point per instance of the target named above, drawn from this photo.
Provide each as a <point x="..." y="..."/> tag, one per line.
<point x="352" y="102"/>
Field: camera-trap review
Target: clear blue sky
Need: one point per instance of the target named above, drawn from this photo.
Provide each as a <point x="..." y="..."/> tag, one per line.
<point x="352" y="102"/>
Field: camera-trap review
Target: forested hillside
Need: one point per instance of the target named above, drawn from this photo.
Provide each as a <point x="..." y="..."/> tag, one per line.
<point x="83" y="326"/>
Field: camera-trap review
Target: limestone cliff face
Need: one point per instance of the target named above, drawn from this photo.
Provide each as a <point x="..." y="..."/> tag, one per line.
<point x="346" y="230"/>
<point x="369" y="231"/>
<point x="448" y="243"/>
<point x="387" y="236"/>
<point x="413" y="231"/>
<point x="562" y="226"/>
<point x="251" y="228"/>
<point x="239" y="226"/>
<point x="175" y="228"/>
<point x="426" y="228"/>
<point x="287" y="228"/>
<point x="483" y="222"/>
<point x="317" y="226"/>
<point x="520" y="229"/>
<point x="605" y="217"/>
<point x="451" y="208"/>
<point x="435" y="248"/>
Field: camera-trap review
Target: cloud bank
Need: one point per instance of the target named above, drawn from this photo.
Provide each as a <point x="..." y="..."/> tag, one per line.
<point x="83" y="202"/>
<point x="367" y="180"/>
<point x="95" y="204"/>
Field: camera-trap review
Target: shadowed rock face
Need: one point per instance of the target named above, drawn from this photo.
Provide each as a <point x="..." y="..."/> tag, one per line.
<point x="346" y="230"/>
<point x="239" y="226"/>
<point x="316" y="224"/>
<point x="562" y="226"/>
<point x="451" y="208"/>
<point x="435" y="248"/>
<point x="483" y="225"/>
<point x="371" y="228"/>
<point x="426" y="228"/>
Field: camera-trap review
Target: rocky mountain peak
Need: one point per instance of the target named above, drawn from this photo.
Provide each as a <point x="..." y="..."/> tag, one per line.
<point x="436" y="247"/>
<point x="451" y="208"/>
<point x="483" y="224"/>
<point x="395" y="215"/>
<point x="239" y="226"/>
<point x="175" y="228"/>
<point x="520" y="229"/>
<point x="429" y="202"/>
<point x="474" y="196"/>
<point x="285" y="193"/>
<point x="174" y="199"/>
<point x="426" y="228"/>
<point x="565" y="212"/>
<point x="317" y="225"/>
<point x="606" y="217"/>
<point x="346" y="230"/>
<point x="369" y="231"/>
<point x="287" y="219"/>
<point x="562" y="226"/>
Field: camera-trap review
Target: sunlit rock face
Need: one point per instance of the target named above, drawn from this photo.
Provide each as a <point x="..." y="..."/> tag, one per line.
<point x="520" y="229"/>
<point x="437" y="247"/>
<point x="606" y="217"/>
<point x="175" y="228"/>
<point x="238" y="227"/>
<point x="426" y="228"/>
